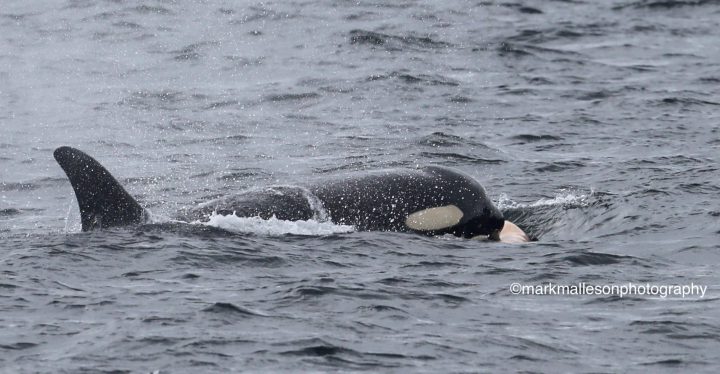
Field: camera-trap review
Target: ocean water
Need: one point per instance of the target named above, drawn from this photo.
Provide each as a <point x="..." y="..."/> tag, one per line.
<point x="594" y="125"/>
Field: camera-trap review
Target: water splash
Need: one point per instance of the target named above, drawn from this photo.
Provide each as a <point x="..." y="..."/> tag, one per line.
<point x="568" y="200"/>
<point x="73" y="222"/>
<point x="274" y="226"/>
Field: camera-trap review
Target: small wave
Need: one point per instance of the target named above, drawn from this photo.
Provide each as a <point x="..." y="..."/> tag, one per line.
<point x="710" y="80"/>
<point x="529" y="10"/>
<point x="700" y="188"/>
<point x="18" y="186"/>
<point x="378" y="308"/>
<point x="676" y="329"/>
<point x="568" y="200"/>
<point x="260" y="14"/>
<point x="441" y="139"/>
<point x="668" y="362"/>
<point x="664" y="4"/>
<point x="559" y="166"/>
<point x="539" y="344"/>
<point x="530" y="138"/>
<point x="320" y="348"/>
<point x="291" y="97"/>
<point x="596" y="94"/>
<point x="127" y="25"/>
<point x="687" y="101"/>
<point x="459" y="99"/>
<point x="192" y="51"/>
<point x="232" y="309"/>
<point x="542" y="36"/>
<point x="17" y="346"/>
<point x="457" y="157"/>
<point x="149" y="100"/>
<point x="274" y="226"/>
<point x="394" y="42"/>
<point x="242" y="174"/>
<point x="432" y="80"/>
<point x="223" y="104"/>
<point x="9" y="212"/>
<point x="591" y="258"/>
<point x="223" y="140"/>
<point x="518" y="50"/>
<point x="243" y="62"/>
<point x="147" y="9"/>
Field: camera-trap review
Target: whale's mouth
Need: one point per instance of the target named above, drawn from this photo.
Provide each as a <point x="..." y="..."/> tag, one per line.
<point x="493" y="236"/>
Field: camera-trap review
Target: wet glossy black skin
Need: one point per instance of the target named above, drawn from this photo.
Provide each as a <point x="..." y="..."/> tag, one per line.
<point x="374" y="201"/>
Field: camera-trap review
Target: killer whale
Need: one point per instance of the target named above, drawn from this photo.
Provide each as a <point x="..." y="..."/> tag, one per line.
<point x="432" y="200"/>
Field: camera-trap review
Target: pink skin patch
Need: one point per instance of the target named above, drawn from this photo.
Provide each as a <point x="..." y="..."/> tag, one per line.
<point x="512" y="234"/>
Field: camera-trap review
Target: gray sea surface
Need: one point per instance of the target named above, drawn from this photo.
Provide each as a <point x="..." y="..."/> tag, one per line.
<point x="594" y="125"/>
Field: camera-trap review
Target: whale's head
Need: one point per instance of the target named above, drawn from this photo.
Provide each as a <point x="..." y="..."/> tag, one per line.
<point x="485" y="221"/>
<point x="487" y="224"/>
<point x="461" y="208"/>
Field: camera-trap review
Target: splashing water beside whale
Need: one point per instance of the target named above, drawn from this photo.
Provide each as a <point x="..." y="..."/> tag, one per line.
<point x="274" y="226"/>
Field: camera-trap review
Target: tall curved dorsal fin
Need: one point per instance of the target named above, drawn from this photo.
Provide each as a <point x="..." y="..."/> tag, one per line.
<point x="103" y="201"/>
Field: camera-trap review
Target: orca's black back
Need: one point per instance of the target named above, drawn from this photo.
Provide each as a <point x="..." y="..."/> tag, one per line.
<point x="282" y="202"/>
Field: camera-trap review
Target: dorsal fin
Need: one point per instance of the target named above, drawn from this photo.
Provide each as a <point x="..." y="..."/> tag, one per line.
<point x="102" y="200"/>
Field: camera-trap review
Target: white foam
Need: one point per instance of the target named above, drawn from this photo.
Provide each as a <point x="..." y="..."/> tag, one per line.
<point x="274" y="226"/>
<point x="157" y="219"/>
<point x="561" y="199"/>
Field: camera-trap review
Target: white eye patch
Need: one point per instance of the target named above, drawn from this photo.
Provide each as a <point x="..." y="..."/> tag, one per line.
<point x="436" y="218"/>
